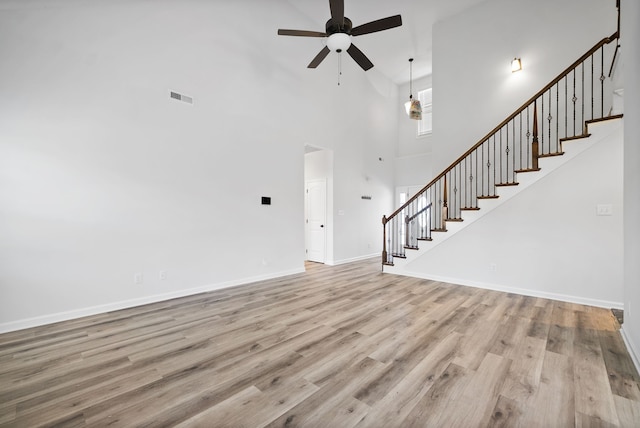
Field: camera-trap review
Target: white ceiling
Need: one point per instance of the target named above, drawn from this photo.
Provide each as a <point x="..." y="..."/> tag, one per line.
<point x="389" y="50"/>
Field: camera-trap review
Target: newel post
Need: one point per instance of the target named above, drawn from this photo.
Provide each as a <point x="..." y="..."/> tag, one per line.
<point x="407" y="238"/>
<point x="384" y="239"/>
<point x="535" y="153"/>
<point x="445" y="207"/>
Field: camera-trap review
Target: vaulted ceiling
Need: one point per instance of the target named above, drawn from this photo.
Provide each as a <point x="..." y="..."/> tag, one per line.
<point x="388" y="50"/>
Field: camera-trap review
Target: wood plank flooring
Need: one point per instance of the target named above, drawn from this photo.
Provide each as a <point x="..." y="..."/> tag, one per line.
<point x="343" y="346"/>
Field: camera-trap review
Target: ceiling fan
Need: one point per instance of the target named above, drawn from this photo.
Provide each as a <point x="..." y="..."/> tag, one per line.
<point x="339" y="31"/>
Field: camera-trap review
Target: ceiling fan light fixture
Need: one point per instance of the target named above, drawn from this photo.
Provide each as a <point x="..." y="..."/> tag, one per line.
<point x="339" y="42"/>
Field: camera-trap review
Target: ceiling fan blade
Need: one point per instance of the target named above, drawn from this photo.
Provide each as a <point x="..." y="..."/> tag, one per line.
<point x="301" y="33"/>
<point x="318" y="59"/>
<point x="359" y="57"/>
<point x="379" y="25"/>
<point x="337" y="11"/>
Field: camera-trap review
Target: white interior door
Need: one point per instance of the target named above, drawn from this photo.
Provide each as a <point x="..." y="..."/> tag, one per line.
<point x="316" y="219"/>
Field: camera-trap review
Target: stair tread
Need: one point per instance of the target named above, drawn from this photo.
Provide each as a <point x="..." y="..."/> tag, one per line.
<point x="527" y="170"/>
<point x="550" y="155"/>
<point x="488" y="197"/>
<point x="603" y="119"/>
<point x="438" y="230"/>
<point x="470" y="209"/>
<point x="453" y="219"/>
<point x="506" y="184"/>
<point x="575" y="137"/>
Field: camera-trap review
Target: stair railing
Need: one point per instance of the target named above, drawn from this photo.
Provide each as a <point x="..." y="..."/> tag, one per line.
<point x="557" y="113"/>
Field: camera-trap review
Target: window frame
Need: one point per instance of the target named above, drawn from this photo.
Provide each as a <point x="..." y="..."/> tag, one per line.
<point x="427" y="112"/>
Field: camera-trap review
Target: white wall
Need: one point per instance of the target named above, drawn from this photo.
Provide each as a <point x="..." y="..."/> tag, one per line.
<point x="474" y="89"/>
<point x="413" y="160"/>
<point x="103" y="176"/>
<point x="413" y="170"/>
<point x="546" y="240"/>
<point x="363" y="166"/>
<point x="408" y="141"/>
<point x="631" y="50"/>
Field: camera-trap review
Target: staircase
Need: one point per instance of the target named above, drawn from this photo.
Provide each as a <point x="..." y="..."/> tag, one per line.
<point x="545" y="132"/>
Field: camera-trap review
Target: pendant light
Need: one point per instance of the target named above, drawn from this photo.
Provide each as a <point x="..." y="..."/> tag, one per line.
<point x="413" y="107"/>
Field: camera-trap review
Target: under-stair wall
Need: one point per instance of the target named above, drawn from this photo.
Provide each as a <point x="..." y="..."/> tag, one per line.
<point x="547" y="240"/>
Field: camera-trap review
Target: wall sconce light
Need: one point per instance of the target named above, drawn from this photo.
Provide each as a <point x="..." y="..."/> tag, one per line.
<point x="516" y="65"/>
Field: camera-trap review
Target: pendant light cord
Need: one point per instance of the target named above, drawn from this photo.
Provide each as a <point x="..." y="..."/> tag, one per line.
<point x="410" y="78"/>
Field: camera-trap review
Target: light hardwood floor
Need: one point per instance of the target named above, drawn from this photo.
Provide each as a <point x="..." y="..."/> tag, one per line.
<point x="342" y="346"/>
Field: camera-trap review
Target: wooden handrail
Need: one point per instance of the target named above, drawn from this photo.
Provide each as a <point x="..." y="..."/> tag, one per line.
<point x="613" y="61"/>
<point x="615" y="53"/>
<point x="408" y="219"/>
<point x="576" y="63"/>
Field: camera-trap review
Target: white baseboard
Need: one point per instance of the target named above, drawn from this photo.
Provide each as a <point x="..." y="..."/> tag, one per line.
<point x="354" y="259"/>
<point x="522" y="291"/>
<point x="110" y="307"/>
<point x="633" y="350"/>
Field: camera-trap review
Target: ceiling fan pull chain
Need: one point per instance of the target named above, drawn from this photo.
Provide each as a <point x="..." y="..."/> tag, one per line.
<point x="339" y="67"/>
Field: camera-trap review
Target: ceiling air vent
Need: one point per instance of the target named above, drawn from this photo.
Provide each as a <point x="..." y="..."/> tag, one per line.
<point x="181" y="97"/>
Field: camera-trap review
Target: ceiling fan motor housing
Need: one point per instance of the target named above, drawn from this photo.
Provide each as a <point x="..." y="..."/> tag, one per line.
<point x="333" y="27"/>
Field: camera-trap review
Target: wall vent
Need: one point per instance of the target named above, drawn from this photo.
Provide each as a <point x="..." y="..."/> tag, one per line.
<point x="181" y="97"/>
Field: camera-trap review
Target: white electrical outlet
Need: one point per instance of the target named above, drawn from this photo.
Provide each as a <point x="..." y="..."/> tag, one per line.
<point x="162" y="275"/>
<point x="604" y="209"/>
<point x="138" y="278"/>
